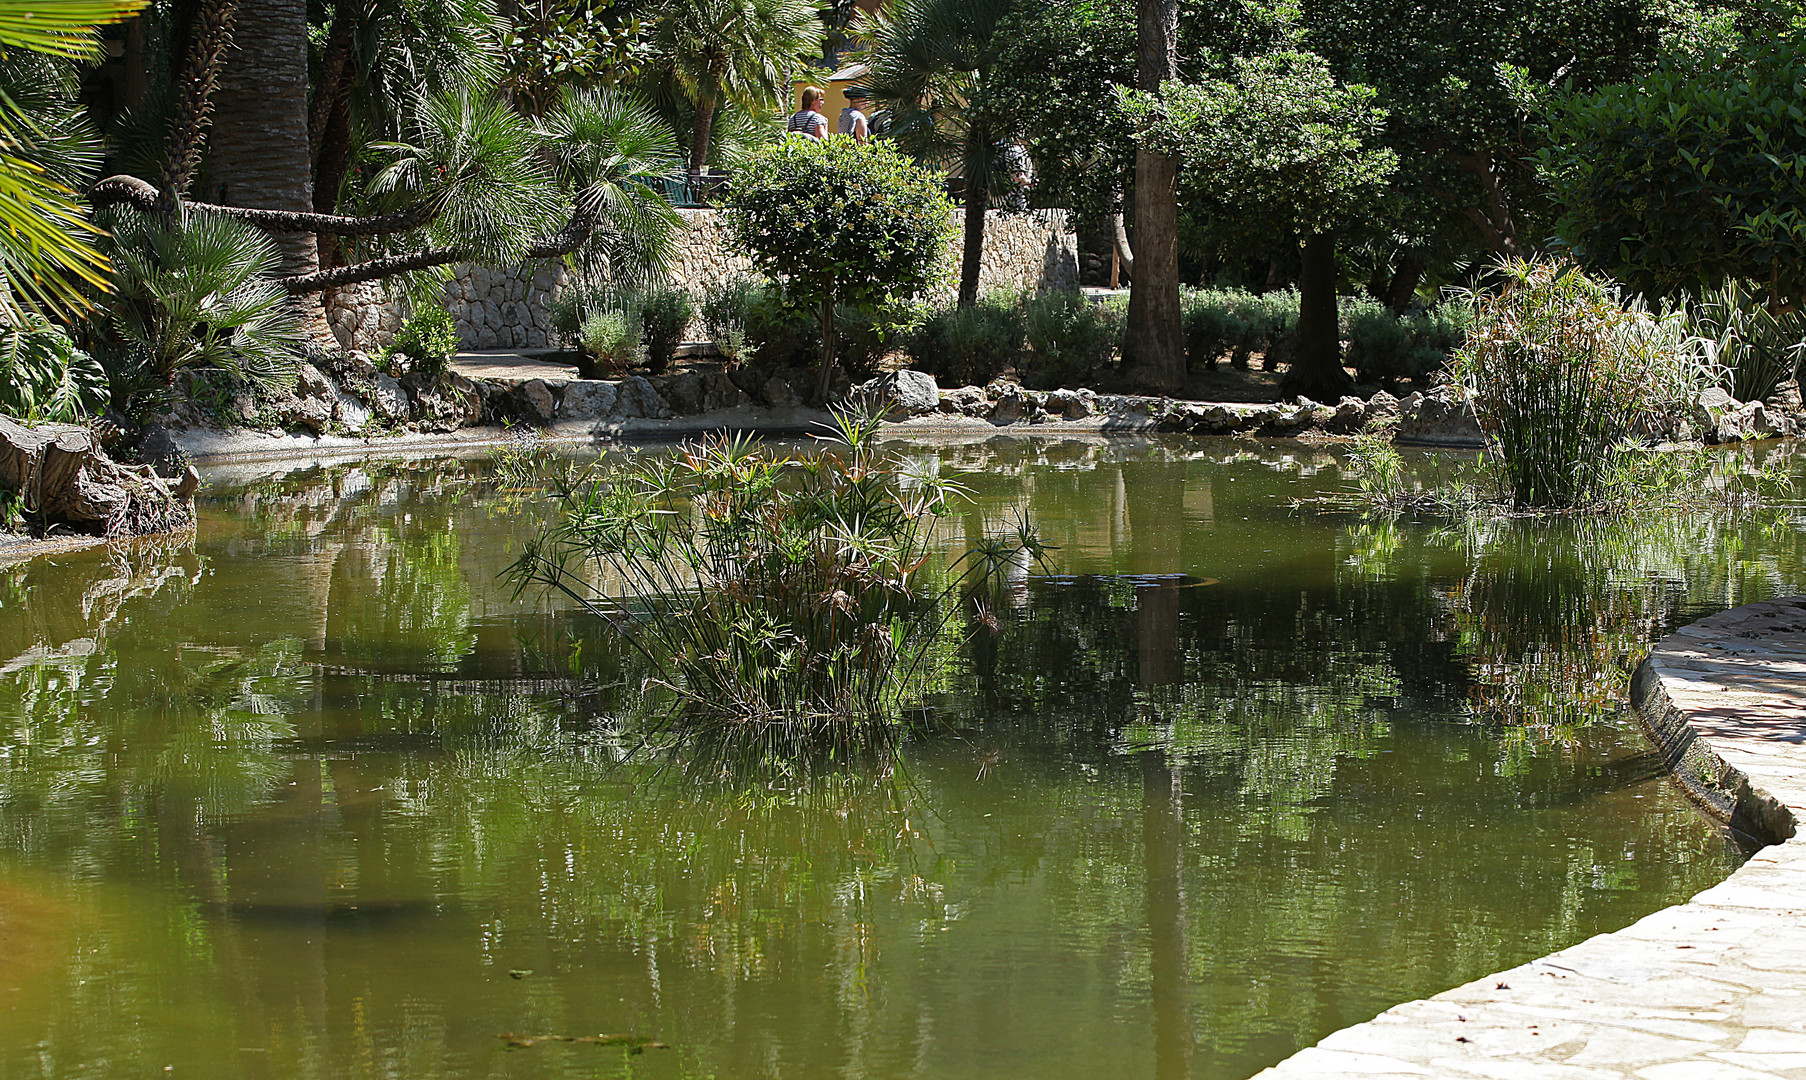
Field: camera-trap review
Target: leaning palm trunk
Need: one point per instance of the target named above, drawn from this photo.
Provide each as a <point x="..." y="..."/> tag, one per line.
<point x="978" y="200"/>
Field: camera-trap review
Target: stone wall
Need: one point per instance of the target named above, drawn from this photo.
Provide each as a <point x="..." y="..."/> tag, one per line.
<point x="506" y="309"/>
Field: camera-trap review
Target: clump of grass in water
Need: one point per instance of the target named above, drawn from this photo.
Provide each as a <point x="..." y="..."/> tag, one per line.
<point x="779" y="597"/>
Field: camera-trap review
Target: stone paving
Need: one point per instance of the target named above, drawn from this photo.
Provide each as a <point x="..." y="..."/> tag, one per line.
<point x="1713" y="989"/>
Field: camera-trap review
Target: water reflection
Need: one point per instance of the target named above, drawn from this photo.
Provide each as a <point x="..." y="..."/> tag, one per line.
<point x="304" y="796"/>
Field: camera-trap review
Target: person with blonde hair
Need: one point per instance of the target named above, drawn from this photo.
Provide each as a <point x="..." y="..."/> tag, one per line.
<point x="809" y="120"/>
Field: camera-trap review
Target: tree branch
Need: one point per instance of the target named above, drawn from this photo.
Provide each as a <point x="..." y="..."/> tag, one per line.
<point x="566" y="240"/>
<point x="130" y="189"/>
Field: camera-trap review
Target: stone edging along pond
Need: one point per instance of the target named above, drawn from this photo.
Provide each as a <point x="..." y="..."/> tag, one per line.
<point x="1712" y="989"/>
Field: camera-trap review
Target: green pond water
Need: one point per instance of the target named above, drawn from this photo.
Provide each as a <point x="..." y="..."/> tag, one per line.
<point x="314" y="794"/>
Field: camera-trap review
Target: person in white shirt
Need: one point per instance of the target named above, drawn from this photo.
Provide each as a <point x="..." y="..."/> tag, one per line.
<point x="852" y="118"/>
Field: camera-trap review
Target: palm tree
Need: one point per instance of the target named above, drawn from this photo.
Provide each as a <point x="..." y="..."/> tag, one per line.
<point x="741" y="51"/>
<point x="47" y="251"/>
<point x="931" y="64"/>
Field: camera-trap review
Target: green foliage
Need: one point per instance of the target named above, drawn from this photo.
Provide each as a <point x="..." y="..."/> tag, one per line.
<point x="774" y="593"/>
<point x="866" y="338"/>
<point x="1235" y="321"/>
<point x="1073" y="338"/>
<point x="611" y="339"/>
<point x="43" y="376"/>
<point x="198" y="293"/>
<point x="663" y="316"/>
<point x="428" y="338"/>
<point x="726" y="305"/>
<point x="1751" y="348"/>
<point x="1384" y="347"/>
<point x="548" y="49"/>
<point x="741" y="52"/>
<point x="1278" y="149"/>
<point x="835" y="221"/>
<point x="1561" y="376"/>
<point x="972" y="345"/>
<point x="1689" y="175"/>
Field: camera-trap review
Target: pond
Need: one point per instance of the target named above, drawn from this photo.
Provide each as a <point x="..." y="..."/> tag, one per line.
<point x="314" y="794"/>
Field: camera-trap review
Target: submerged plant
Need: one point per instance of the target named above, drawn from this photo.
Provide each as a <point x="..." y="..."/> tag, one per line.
<point x="774" y="594"/>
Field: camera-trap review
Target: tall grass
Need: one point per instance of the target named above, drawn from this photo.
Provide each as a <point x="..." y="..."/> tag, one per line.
<point x="776" y="596"/>
<point x="1562" y="375"/>
<point x="1751" y="348"/>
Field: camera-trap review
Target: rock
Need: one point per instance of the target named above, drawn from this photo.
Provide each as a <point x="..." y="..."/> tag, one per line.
<point x="1072" y="404"/>
<point x="1712" y="408"/>
<point x="900" y="394"/>
<point x="350" y="410"/>
<point x="1217" y="420"/>
<point x="683" y="392"/>
<point x="157" y="448"/>
<point x="388" y="399"/>
<point x="1009" y="407"/>
<point x="719" y="392"/>
<point x="636" y="398"/>
<point x="310" y="383"/>
<point x="445" y="402"/>
<point x="1440" y="418"/>
<point x="1312" y="414"/>
<point x="586" y="399"/>
<point x="537" y="405"/>
<point x="779" y="394"/>
<point x="966" y="401"/>
<point x="1268" y="416"/>
<point x="1382" y="406"/>
<point x="311" y="414"/>
<point x="1183" y="418"/>
<point x="1350" y="416"/>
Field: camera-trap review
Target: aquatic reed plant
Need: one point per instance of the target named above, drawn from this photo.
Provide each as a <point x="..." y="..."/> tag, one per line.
<point x="1562" y="375"/>
<point x="775" y="594"/>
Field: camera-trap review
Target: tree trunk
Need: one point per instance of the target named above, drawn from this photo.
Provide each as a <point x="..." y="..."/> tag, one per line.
<point x="824" y="378"/>
<point x="1119" y="241"/>
<point x="978" y="200"/>
<point x="1316" y="370"/>
<point x="1154" y="352"/>
<point x="1403" y="288"/>
<point x="193" y="111"/>
<point x="260" y="155"/>
<point x="699" y="139"/>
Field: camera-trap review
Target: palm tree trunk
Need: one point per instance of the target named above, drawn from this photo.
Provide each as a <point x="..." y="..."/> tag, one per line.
<point x="978" y="200"/>
<point x="260" y="155"/>
<point x="699" y="139"/>
<point x="1154" y="351"/>
<point x="193" y="112"/>
<point x="1316" y="370"/>
<point x="824" y="379"/>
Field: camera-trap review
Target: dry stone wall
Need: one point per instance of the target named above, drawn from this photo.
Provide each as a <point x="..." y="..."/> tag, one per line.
<point x="506" y="309"/>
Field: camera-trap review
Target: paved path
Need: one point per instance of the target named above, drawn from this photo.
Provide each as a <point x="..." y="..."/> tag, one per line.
<point x="1713" y="989"/>
<point x="509" y="367"/>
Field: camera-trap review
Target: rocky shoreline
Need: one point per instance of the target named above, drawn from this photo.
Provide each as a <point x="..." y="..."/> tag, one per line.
<point x="344" y="401"/>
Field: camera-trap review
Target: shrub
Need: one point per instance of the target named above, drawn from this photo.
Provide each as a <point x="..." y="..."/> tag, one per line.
<point x="786" y="593"/>
<point x="1384" y="348"/>
<point x="724" y="310"/>
<point x="611" y="340"/>
<point x="841" y="223"/>
<point x="865" y="338"/>
<point x="1560" y="375"/>
<point x="1208" y="327"/>
<point x="428" y="338"/>
<point x="664" y="315"/>
<point x="969" y="346"/>
<point x="779" y="333"/>
<point x="43" y="376"/>
<point x="191" y="293"/>
<point x="1238" y="322"/>
<point x="1750" y="348"/>
<point x="1073" y="338"/>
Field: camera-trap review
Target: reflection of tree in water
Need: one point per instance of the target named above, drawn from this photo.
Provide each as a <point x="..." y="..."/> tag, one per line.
<point x="360" y="802"/>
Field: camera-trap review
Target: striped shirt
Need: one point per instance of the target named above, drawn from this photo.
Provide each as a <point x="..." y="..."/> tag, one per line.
<point x="809" y="122"/>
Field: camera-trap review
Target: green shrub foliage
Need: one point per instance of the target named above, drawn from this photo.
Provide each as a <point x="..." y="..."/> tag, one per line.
<point x="1237" y="322"/>
<point x="1691" y="174"/>
<point x="725" y="307"/>
<point x="43" y="376"/>
<point x="970" y="346"/>
<point x="836" y="222"/>
<point x="664" y="314"/>
<point x="428" y="338"/>
<point x="610" y="339"/>
<point x="1073" y="338"/>
<point x="1384" y="348"/>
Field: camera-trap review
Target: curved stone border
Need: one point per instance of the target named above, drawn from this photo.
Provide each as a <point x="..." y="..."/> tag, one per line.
<point x="1713" y="989"/>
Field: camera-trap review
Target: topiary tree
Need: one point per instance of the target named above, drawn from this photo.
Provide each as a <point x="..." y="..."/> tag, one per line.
<point x="837" y="222"/>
